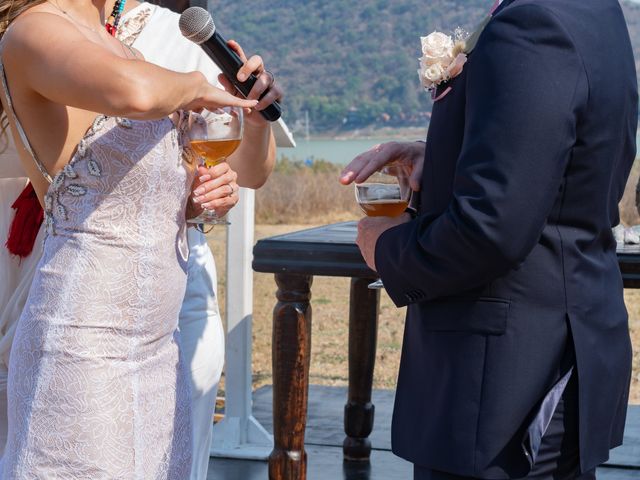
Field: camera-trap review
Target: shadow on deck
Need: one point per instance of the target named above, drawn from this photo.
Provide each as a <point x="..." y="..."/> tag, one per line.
<point x="325" y="433"/>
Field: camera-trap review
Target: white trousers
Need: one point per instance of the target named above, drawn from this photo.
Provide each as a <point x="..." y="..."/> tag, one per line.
<point x="202" y="346"/>
<point x="201" y="331"/>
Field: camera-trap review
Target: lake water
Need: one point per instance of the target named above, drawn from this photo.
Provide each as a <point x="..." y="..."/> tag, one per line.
<point x="340" y="152"/>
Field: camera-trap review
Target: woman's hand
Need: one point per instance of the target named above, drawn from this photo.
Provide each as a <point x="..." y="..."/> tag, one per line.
<point x="409" y="154"/>
<point x="212" y="97"/>
<point x="264" y="83"/>
<point x="215" y="189"/>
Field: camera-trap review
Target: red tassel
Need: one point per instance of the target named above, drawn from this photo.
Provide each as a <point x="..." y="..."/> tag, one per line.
<point x="26" y="223"/>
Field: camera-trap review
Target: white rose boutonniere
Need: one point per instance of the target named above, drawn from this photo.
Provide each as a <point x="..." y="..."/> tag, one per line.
<point x="437" y="48"/>
<point x="443" y="58"/>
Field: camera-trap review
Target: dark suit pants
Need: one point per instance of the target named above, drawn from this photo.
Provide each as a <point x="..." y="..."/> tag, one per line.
<point x="558" y="458"/>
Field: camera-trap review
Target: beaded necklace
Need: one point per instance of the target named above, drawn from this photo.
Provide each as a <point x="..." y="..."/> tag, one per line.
<point x="114" y="18"/>
<point x="112" y="22"/>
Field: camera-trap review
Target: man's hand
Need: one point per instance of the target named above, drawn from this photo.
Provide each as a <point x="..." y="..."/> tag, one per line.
<point x="370" y="229"/>
<point x="408" y="154"/>
<point x="215" y="189"/>
<point x="265" y="83"/>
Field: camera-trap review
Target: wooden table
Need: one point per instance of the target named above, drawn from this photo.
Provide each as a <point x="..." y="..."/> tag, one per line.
<point x="331" y="251"/>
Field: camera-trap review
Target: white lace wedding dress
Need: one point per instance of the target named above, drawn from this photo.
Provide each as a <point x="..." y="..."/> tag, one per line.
<point x="96" y="388"/>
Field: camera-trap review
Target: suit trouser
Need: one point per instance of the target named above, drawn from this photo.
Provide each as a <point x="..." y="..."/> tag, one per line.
<point x="559" y="455"/>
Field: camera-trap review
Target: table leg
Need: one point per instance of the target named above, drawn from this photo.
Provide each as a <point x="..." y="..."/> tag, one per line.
<point x="291" y="348"/>
<point x="363" y="334"/>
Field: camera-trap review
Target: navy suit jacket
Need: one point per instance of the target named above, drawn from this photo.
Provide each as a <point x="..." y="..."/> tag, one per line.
<point x="512" y="254"/>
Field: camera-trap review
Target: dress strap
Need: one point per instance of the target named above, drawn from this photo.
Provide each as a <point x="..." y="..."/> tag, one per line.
<point x="21" y="132"/>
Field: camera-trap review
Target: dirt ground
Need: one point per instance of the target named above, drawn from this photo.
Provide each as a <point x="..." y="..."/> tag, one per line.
<point x="330" y="324"/>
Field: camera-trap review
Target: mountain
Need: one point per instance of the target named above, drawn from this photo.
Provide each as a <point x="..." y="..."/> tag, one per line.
<point x="353" y="64"/>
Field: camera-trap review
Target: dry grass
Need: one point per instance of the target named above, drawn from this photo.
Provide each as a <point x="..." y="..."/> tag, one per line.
<point x="296" y="193"/>
<point x="628" y="211"/>
<point x="304" y="197"/>
<point x="300" y="194"/>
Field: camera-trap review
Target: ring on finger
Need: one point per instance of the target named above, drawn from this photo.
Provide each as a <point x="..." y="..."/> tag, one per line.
<point x="232" y="190"/>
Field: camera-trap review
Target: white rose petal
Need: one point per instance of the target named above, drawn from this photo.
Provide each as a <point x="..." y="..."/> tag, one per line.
<point x="435" y="73"/>
<point x="428" y="61"/>
<point x="426" y="84"/>
<point x="437" y="47"/>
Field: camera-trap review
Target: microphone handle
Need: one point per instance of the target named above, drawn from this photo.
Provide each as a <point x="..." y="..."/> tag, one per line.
<point x="229" y="62"/>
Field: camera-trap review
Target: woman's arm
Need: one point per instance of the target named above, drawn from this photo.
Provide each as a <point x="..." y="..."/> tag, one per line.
<point x="255" y="157"/>
<point x="68" y="69"/>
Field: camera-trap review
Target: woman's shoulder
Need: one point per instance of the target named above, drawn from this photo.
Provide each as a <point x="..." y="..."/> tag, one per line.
<point x="37" y="33"/>
<point x="38" y="27"/>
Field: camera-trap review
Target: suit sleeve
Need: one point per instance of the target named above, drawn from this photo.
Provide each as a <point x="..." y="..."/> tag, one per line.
<point x="525" y="86"/>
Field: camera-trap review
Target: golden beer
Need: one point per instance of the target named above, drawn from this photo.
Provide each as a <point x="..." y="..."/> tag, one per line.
<point x="384" y="208"/>
<point x="214" y="151"/>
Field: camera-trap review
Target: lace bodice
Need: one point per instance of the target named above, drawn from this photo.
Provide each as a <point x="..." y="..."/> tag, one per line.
<point x="116" y="148"/>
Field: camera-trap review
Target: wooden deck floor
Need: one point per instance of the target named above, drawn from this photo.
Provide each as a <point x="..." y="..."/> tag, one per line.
<point x="325" y="434"/>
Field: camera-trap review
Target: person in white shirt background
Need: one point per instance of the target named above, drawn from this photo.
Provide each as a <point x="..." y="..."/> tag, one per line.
<point x="154" y="31"/>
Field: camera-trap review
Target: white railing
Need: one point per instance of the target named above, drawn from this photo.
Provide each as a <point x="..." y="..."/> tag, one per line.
<point x="239" y="434"/>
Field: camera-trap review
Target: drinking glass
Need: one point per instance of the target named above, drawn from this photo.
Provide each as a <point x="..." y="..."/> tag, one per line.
<point x="214" y="135"/>
<point x="384" y="194"/>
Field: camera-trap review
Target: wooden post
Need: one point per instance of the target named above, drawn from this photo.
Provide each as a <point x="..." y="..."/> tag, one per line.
<point x="363" y="335"/>
<point x="291" y="355"/>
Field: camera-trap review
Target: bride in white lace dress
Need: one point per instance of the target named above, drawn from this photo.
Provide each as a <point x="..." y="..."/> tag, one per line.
<point x="96" y="388"/>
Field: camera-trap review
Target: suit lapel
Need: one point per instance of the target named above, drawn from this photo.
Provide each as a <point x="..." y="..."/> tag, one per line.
<point x="473" y="38"/>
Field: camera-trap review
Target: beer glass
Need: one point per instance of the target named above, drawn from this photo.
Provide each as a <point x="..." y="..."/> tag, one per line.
<point x="384" y="194"/>
<point x="213" y="136"/>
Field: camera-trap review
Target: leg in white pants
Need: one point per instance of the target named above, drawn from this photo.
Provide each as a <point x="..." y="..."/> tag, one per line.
<point x="202" y="344"/>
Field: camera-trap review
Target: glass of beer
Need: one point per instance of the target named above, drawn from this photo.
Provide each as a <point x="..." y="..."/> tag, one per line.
<point x="384" y="194"/>
<point x="213" y="136"/>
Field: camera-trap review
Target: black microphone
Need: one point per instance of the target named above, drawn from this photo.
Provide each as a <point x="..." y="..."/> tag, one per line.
<point x="197" y="25"/>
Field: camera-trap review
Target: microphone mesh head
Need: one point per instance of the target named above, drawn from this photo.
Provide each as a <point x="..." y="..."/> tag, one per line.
<point x="197" y="25"/>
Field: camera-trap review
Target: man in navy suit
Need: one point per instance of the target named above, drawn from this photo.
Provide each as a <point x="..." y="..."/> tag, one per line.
<point x="516" y="359"/>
